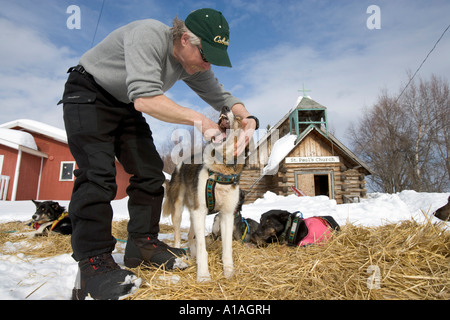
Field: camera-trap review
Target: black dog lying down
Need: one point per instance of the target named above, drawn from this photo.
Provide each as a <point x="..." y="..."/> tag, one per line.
<point x="285" y="227"/>
<point x="242" y="228"/>
<point x="50" y="217"/>
<point x="443" y="213"/>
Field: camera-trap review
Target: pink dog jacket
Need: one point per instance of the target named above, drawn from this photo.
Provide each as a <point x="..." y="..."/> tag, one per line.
<point x="318" y="231"/>
<point x="303" y="232"/>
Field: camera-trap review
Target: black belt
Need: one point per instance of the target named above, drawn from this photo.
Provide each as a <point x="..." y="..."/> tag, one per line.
<point x="80" y="69"/>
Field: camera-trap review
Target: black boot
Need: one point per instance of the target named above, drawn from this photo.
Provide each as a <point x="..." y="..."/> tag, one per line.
<point x="153" y="252"/>
<point x="101" y="278"/>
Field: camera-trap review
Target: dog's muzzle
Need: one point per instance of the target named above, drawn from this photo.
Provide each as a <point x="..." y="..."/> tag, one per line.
<point x="224" y="122"/>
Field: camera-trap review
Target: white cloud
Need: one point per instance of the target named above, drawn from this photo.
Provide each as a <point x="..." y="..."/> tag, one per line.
<point x="28" y="50"/>
<point x="32" y="75"/>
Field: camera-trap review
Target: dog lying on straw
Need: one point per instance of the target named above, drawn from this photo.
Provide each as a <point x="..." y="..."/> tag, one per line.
<point x="243" y="228"/>
<point x="50" y="216"/>
<point x="290" y="228"/>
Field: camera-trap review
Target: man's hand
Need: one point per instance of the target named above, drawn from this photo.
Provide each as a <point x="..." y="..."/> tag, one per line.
<point x="210" y="130"/>
<point x="248" y="128"/>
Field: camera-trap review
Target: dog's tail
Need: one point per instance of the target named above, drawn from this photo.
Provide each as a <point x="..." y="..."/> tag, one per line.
<point x="168" y="206"/>
<point x="170" y="193"/>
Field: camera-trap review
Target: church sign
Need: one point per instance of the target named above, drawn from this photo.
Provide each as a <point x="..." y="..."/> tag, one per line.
<point x="312" y="159"/>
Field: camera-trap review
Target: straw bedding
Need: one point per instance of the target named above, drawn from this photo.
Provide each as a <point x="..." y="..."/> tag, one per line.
<point x="407" y="260"/>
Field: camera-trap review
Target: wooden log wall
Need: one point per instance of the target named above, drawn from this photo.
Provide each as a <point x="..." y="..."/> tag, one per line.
<point x="348" y="183"/>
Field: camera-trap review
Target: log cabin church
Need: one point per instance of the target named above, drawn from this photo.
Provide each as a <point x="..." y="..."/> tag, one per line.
<point x="299" y="156"/>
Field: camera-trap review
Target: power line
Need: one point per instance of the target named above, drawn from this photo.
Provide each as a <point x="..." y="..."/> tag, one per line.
<point x="432" y="49"/>
<point x="98" y="21"/>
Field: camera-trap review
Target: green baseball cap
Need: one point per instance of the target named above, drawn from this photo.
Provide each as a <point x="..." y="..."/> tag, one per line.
<point x="212" y="28"/>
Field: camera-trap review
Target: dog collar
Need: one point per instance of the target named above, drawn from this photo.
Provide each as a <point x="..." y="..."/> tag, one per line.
<point x="55" y="223"/>
<point x="291" y="228"/>
<point x="224" y="178"/>
<point x="246" y="229"/>
<point x="217" y="177"/>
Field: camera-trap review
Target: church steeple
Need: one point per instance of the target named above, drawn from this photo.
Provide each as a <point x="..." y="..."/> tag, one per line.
<point x="308" y="113"/>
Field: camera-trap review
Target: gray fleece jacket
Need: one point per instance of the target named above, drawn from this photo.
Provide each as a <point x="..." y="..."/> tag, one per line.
<point x="137" y="60"/>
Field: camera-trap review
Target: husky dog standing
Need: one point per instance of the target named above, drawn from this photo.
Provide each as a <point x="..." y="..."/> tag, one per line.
<point x="210" y="187"/>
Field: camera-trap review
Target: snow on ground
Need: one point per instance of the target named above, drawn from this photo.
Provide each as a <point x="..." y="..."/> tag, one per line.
<point x="23" y="277"/>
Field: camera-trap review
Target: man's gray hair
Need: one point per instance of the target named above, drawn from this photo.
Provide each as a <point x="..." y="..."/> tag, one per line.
<point x="179" y="28"/>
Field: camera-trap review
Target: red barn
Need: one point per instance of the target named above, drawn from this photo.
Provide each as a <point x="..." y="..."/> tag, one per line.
<point x="36" y="163"/>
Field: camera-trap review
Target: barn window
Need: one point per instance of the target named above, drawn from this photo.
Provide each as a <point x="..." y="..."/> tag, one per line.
<point x="66" y="173"/>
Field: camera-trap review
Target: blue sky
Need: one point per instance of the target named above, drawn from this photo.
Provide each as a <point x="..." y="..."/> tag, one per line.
<point x="276" y="46"/>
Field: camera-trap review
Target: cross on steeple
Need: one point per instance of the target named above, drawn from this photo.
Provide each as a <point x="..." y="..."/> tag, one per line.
<point x="304" y="90"/>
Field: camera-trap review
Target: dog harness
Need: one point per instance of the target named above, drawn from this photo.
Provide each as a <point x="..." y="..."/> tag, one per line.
<point x="302" y="232"/>
<point x="246" y="229"/>
<point x="214" y="178"/>
<point x="245" y="225"/>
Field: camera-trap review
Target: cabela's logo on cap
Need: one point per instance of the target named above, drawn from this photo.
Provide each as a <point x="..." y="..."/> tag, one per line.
<point x="224" y="41"/>
<point x="214" y="33"/>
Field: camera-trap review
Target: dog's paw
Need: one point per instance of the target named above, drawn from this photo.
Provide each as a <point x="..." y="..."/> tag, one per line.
<point x="228" y="272"/>
<point x="28" y="235"/>
<point x="180" y="263"/>
<point x="203" y="278"/>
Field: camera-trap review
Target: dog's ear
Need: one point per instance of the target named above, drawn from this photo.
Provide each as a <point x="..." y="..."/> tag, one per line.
<point x="36" y="203"/>
<point x="284" y="216"/>
<point x="55" y="205"/>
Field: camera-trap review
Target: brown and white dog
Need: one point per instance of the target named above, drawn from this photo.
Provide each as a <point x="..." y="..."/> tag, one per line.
<point x="209" y="187"/>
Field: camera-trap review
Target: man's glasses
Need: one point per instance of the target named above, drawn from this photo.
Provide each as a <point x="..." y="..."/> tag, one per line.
<point x="202" y="54"/>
